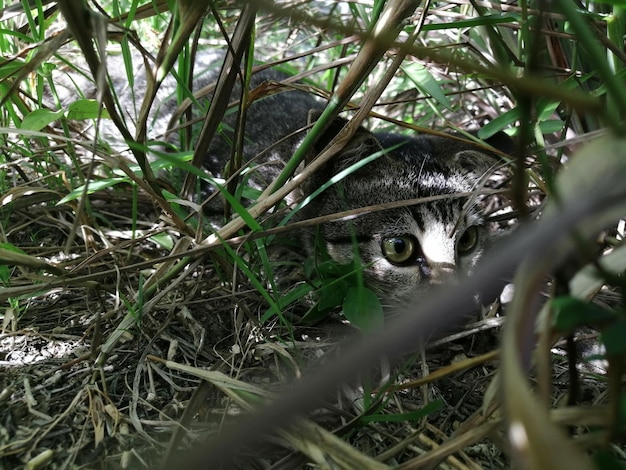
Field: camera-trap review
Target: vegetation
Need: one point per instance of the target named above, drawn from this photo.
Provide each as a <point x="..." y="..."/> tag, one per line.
<point x="134" y="328"/>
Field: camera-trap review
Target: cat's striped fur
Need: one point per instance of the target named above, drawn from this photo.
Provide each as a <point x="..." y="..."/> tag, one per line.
<point x="405" y="249"/>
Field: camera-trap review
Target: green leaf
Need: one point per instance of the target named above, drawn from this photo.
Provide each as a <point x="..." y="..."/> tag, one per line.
<point x="10" y="67"/>
<point x="426" y="83"/>
<point x="86" y="109"/>
<point x="571" y="313"/>
<point x="613" y="338"/>
<point x="551" y="126"/>
<point x="11" y="247"/>
<point x="472" y="22"/>
<point x="5" y="272"/>
<point x="416" y="415"/>
<point x="501" y="122"/>
<point x="39" y="118"/>
<point x="331" y="295"/>
<point x="363" y="309"/>
<point x="546" y="109"/>
<point x="93" y="187"/>
<point x="5" y="275"/>
<point x="163" y="240"/>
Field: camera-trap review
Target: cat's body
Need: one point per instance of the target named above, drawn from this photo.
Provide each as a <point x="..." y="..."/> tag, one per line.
<point x="403" y="250"/>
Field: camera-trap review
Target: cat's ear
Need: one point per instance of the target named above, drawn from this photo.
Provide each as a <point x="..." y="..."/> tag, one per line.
<point x="478" y="161"/>
<point x="362" y="144"/>
<point x="502" y="142"/>
<point x="473" y="162"/>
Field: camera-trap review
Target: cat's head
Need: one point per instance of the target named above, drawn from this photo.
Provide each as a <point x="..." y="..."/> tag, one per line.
<point x="404" y="249"/>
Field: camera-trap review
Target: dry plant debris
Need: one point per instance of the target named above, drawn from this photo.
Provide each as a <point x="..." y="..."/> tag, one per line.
<point x="128" y="341"/>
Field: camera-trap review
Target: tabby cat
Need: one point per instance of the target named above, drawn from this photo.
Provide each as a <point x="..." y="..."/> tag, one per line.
<point x="404" y="250"/>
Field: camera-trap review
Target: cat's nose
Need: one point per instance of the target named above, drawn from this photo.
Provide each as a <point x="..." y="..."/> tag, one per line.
<point x="442" y="273"/>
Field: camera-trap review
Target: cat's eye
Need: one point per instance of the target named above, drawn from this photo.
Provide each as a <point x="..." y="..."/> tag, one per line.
<point x="399" y="250"/>
<point x="468" y="241"/>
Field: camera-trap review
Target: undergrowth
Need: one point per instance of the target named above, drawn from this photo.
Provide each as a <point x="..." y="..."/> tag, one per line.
<point x="173" y="316"/>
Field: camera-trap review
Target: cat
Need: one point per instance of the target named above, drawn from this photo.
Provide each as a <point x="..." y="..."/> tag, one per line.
<point x="403" y="250"/>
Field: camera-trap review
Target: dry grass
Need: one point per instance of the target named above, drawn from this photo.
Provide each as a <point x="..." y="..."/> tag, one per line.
<point x="133" y="337"/>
